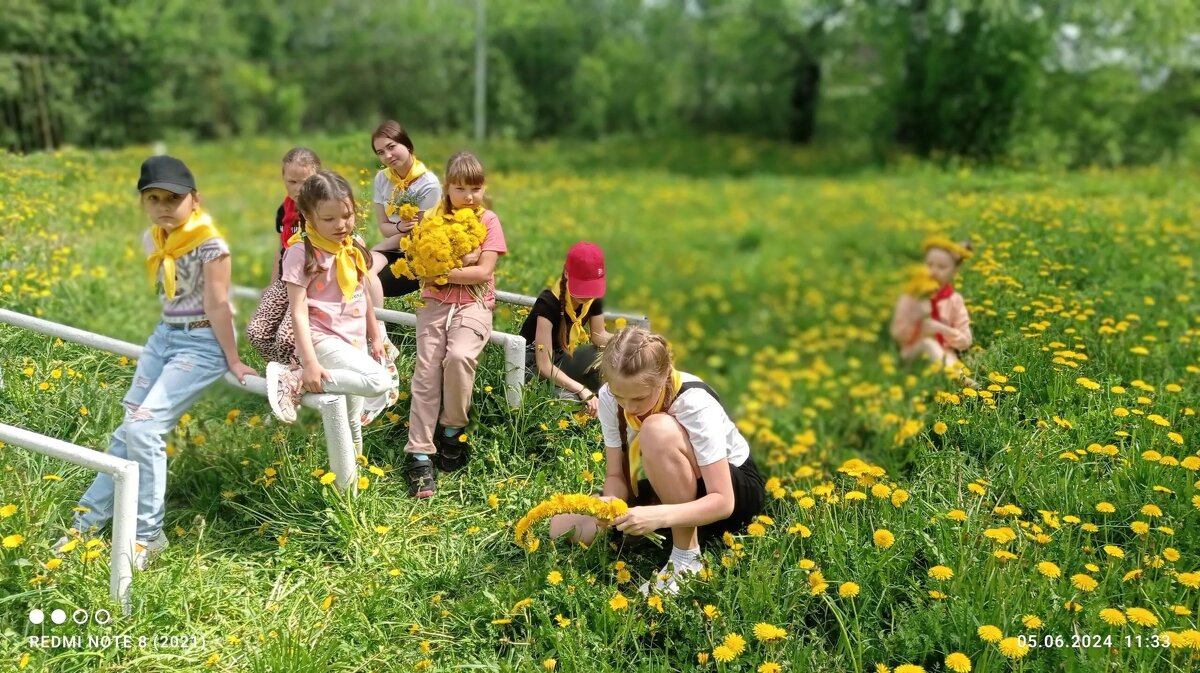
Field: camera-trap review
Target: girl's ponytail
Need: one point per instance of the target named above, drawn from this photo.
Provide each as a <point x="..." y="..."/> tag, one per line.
<point x="564" y="330"/>
<point x="310" y="255"/>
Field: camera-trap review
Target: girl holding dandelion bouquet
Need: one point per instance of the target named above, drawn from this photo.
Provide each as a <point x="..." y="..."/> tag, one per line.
<point x="701" y="481"/>
<point x="403" y="191"/>
<point x="453" y="253"/>
<point x="930" y="318"/>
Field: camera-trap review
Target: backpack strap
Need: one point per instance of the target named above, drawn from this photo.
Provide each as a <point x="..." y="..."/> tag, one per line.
<point x="700" y="385"/>
<point x="623" y="428"/>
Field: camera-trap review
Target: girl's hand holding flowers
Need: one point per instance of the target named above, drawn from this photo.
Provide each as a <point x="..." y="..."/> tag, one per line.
<point x="641" y="520"/>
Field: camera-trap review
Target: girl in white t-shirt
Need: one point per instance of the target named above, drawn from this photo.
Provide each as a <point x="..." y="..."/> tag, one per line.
<point x="700" y="479"/>
<point x="403" y="190"/>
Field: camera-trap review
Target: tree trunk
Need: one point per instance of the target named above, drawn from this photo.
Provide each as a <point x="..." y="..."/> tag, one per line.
<point x="806" y="89"/>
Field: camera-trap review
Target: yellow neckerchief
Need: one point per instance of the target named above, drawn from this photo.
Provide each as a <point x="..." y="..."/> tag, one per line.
<point x="348" y="260"/>
<point x="170" y="246"/>
<point x="403" y="183"/>
<point x="635" y="449"/>
<point x="578" y="335"/>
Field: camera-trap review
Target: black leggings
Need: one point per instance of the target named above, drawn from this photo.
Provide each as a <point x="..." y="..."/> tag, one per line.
<point x="393" y="286"/>
<point x="580" y="365"/>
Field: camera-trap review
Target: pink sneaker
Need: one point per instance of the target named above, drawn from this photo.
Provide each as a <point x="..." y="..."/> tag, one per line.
<point x="283" y="391"/>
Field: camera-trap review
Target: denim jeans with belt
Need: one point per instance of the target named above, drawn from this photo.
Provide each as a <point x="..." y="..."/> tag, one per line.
<point x="176" y="365"/>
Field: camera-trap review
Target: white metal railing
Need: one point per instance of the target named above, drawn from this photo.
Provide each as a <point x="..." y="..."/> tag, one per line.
<point x="526" y="300"/>
<point x="124" y="474"/>
<point x="513" y="344"/>
<point x="338" y="440"/>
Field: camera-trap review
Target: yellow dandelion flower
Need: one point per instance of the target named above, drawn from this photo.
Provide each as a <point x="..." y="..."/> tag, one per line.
<point x="618" y="602"/>
<point x="723" y="654"/>
<point x="1113" y="616"/>
<point x="1141" y="617"/>
<point x="735" y="642"/>
<point x="1048" y="569"/>
<point x="848" y="590"/>
<point x="941" y="573"/>
<point x="989" y="633"/>
<point x="1084" y="582"/>
<point x="1013" y="648"/>
<point x="883" y="538"/>
<point x="958" y="662"/>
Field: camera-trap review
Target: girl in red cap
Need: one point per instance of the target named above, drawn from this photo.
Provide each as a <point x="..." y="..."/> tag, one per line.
<point x="564" y="317"/>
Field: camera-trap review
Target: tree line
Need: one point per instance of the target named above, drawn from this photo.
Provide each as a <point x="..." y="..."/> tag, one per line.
<point x="1059" y="81"/>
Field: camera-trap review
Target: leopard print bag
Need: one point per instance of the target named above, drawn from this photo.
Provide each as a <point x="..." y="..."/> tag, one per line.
<point x="270" y="328"/>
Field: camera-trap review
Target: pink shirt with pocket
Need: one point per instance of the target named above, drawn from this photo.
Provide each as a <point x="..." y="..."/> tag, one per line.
<point x="329" y="314"/>
<point x="461" y="294"/>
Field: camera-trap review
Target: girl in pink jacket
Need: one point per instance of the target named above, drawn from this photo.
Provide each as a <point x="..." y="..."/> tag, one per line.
<point x="931" y="318"/>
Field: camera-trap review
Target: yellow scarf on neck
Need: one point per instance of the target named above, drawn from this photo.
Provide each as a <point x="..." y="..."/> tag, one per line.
<point x="635" y="449"/>
<point x="577" y="335"/>
<point x="348" y="260"/>
<point x="170" y="246"/>
<point x="403" y="183"/>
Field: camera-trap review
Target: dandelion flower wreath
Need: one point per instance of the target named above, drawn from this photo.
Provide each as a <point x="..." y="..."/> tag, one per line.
<point x="437" y="244"/>
<point x="560" y="503"/>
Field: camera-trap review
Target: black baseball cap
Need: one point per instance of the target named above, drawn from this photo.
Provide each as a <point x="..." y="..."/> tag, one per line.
<point x="169" y="173"/>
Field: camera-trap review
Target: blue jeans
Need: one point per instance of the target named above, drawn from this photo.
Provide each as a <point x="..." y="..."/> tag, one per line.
<point x="175" y="368"/>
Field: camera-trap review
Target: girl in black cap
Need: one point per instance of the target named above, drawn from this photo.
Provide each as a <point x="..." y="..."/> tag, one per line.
<point x="192" y="346"/>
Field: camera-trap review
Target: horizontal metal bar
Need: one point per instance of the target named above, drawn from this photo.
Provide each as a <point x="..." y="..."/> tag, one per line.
<point x="244" y="292"/>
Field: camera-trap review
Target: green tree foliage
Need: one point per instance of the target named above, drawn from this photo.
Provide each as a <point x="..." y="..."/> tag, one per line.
<point x="1050" y="81"/>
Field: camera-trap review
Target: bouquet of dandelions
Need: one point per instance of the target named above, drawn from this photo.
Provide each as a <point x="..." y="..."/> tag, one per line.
<point x="437" y="244"/>
<point x="569" y="503"/>
<point x="404" y="204"/>
<point x="920" y="283"/>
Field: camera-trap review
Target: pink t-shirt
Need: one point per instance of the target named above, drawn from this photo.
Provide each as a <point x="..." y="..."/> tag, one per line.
<point x="329" y="315"/>
<point x="460" y="294"/>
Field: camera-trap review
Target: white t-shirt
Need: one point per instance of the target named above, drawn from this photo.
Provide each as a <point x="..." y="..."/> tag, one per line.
<point x="425" y="189"/>
<point x="710" y="430"/>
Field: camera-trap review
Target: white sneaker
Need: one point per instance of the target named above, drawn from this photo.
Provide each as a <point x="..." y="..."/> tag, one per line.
<point x="144" y="551"/>
<point x="64" y="546"/>
<point x="668" y="579"/>
<point x="283" y="391"/>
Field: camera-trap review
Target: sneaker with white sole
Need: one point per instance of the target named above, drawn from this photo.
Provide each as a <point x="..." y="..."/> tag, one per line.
<point x="283" y="391"/>
<point x="144" y="551"/>
<point x="668" y="579"/>
<point x="66" y="544"/>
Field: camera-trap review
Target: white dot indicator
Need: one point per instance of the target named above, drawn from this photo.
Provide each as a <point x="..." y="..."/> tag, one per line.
<point x="37" y="616"/>
<point x="58" y="616"/>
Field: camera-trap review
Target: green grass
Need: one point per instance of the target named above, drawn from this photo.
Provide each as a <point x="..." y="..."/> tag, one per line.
<point x="773" y="279"/>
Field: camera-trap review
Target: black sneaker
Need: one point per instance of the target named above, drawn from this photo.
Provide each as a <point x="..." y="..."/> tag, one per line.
<point x="453" y="452"/>
<point x="422" y="479"/>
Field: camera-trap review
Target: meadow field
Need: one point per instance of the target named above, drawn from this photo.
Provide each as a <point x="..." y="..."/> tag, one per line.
<point x="1046" y="522"/>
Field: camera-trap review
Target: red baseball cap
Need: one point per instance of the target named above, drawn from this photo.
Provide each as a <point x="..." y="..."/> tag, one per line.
<point x="585" y="271"/>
